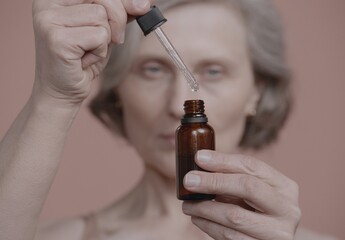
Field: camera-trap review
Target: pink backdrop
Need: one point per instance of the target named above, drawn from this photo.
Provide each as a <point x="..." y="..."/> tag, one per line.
<point x="311" y="149"/>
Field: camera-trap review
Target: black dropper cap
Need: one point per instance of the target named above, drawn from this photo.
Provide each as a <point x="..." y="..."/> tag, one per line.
<point x="151" y="20"/>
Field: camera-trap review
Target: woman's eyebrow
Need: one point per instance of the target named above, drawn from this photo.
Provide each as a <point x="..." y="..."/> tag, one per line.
<point x="140" y="60"/>
<point x="152" y="57"/>
<point x="224" y="61"/>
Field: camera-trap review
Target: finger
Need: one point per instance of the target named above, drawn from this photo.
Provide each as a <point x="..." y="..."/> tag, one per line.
<point x="218" y="162"/>
<point x="93" y="57"/>
<point x="117" y="12"/>
<point x="76" y="16"/>
<point x="41" y="5"/>
<point x="137" y="8"/>
<point x="87" y="46"/>
<point x="117" y="17"/>
<point x="81" y="40"/>
<point x="219" y="232"/>
<point x="92" y="69"/>
<point x="257" y="193"/>
<point x="236" y="218"/>
<point x="234" y="201"/>
<point x="134" y="7"/>
<point x="228" y="215"/>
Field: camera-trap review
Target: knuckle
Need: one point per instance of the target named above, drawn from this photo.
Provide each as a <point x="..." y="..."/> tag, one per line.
<point x="250" y="164"/>
<point x="291" y="190"/>
<point x="56" y="42"/>
<point x="122" y="20"/>
<point x="294" y="187"/>
<point x="100" y="12"/>
<point x="249" y="184"/>
<point x="227" y="234"/>
<point x="285" y="235"/>
<point x="55" y="36"/>
<point x="292" y="214"/>
<point x="133" y="8"/>
<point x="45" y="30"/>
<point x="103" y="35"/>
<point x="235" y="217"/>
<point x="41" y="20"/>
<point x="224" y="160"/>
<point x="296" y="213"/>
<point x="216" y="183"/>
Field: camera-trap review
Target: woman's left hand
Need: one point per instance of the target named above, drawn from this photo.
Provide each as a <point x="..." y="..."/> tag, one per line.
<point x="254" y="201"/>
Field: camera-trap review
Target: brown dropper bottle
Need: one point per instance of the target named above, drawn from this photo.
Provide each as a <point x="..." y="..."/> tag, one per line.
<point x="192" y="135"/>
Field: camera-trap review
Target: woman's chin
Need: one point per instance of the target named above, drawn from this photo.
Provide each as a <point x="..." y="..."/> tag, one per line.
<point x="167" y="171"/>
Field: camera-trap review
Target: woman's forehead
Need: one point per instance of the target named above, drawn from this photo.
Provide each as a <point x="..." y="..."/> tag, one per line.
<point x="201" y="27"/>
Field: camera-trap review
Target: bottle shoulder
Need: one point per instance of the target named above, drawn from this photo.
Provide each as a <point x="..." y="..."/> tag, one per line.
<point x="194" y="127"/>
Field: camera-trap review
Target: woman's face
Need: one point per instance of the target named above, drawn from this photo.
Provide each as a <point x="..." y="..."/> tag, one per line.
<point x="211" y="40"/>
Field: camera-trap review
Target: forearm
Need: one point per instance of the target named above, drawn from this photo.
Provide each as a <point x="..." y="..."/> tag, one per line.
<point x="29" y="158"/>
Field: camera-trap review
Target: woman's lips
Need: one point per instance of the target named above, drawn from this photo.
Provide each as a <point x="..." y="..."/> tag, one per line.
<point x="168" y="139"/>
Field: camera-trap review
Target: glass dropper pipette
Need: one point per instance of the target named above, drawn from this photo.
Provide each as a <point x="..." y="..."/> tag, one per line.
<point x="152" y="21"/>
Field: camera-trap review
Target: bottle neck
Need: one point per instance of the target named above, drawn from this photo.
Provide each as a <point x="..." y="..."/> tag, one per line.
<point x="194" y="112"/>
<point x="199" y="119"/>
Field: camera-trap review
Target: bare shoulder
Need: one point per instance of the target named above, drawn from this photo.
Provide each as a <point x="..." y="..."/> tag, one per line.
<point x="305" y="234"/>
<point x="71" y="229"/>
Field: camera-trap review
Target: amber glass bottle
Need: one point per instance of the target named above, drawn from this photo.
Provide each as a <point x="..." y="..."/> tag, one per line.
<point x="192" y="135"/>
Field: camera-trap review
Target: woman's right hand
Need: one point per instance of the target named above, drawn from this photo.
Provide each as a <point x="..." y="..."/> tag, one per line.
<point x="73" y="39"/>
<point x="72" y="48"/>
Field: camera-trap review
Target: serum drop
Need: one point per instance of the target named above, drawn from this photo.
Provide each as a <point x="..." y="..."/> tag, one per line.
<point x="192" y="135"/>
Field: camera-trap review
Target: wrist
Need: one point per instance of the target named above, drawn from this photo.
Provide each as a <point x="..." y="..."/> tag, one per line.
<point x="41" y="98"/>
<point x="52" y="110"/>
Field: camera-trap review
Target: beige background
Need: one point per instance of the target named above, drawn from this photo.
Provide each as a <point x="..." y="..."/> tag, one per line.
<point x="311" y="149"/>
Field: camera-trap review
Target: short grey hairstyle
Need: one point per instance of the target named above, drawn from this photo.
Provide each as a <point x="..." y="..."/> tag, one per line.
<point x="267" y="52"/>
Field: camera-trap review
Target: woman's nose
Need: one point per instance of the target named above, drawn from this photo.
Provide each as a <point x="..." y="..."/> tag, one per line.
<point x="180" y="92"/>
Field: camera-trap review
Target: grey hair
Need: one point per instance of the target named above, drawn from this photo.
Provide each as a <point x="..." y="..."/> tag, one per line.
<point x="267" y="52"/>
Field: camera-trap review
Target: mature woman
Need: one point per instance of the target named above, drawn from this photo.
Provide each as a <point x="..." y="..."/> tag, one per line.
<point x="235" y="50"/>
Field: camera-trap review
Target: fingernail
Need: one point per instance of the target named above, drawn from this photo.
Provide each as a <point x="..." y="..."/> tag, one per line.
<point x="141" y="4"/>
<point x="192" y="180"/>
<point x="104" y="53"/>
<point x="204" y="156"/>
<point x="122" y="37"/>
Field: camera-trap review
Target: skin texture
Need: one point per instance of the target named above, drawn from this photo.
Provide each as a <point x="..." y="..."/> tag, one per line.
<point x="254" y="201"/>
<point x="67" y="43"/>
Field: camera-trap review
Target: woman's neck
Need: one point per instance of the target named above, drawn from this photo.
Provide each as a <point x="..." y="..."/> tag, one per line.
<point x="153" y="197"/>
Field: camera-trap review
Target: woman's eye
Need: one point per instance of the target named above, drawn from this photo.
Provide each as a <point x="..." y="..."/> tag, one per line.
<point x="212" y="73"/>
<point x="154" y="71"/>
